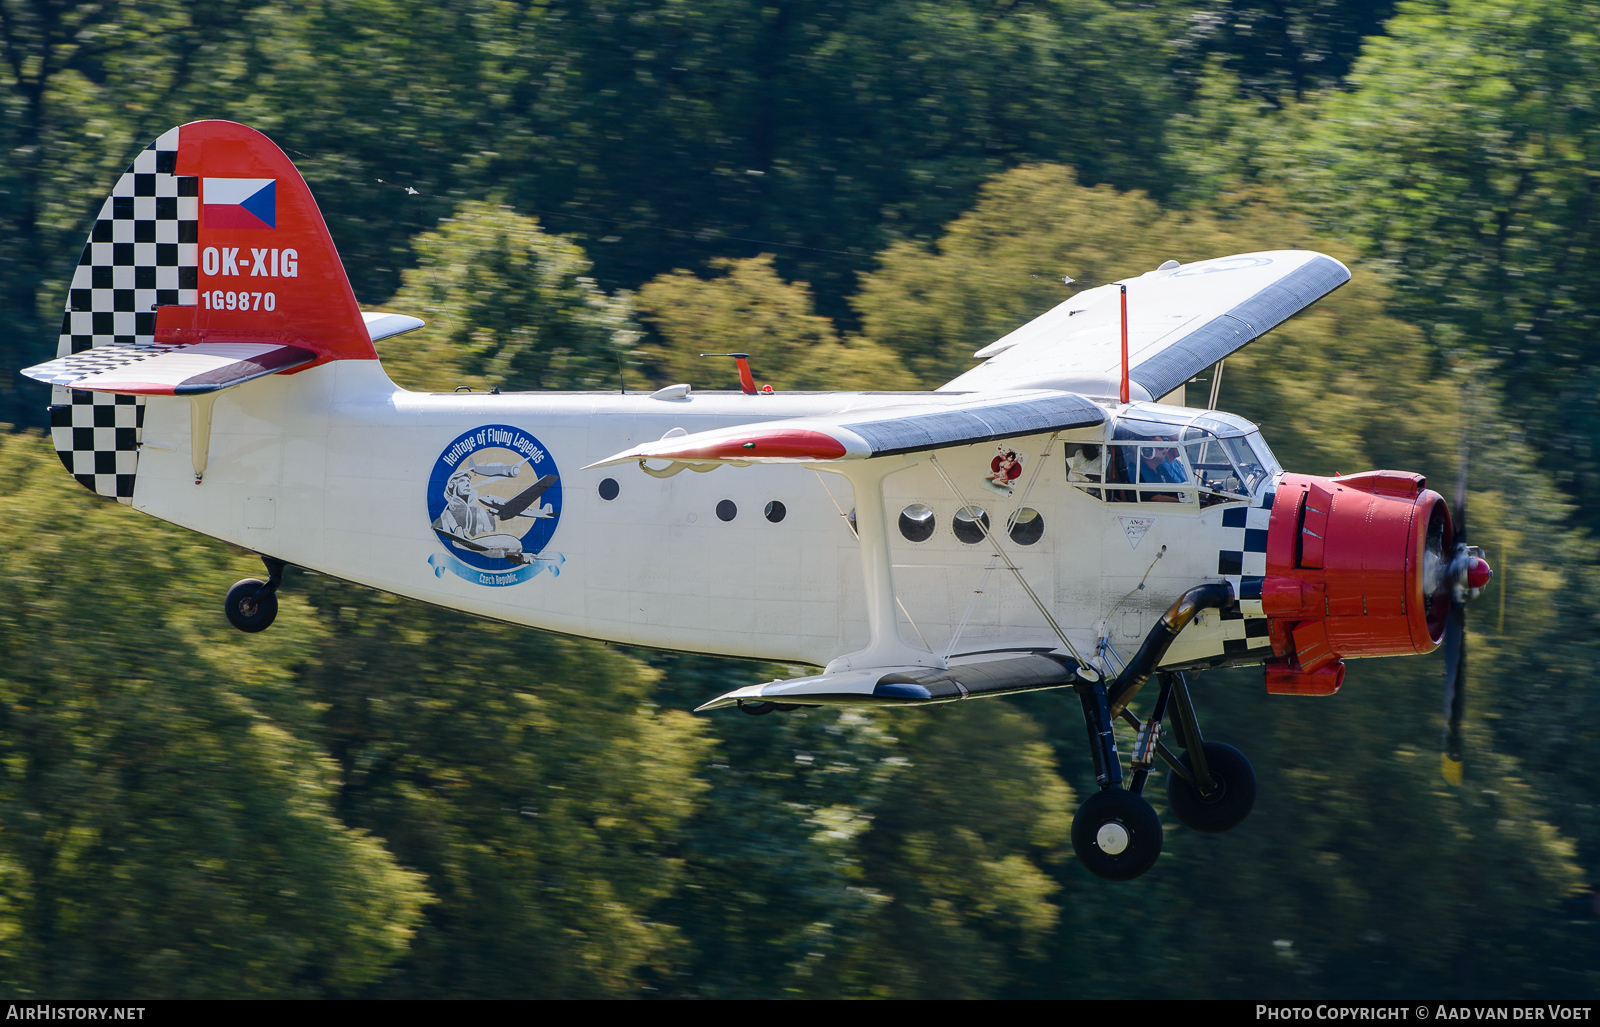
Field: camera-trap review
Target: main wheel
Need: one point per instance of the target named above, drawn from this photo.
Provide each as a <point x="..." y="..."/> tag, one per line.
<point x="1116" y="834"/>
<point x="248" y="610"/>
<point x="1229" y="801"/>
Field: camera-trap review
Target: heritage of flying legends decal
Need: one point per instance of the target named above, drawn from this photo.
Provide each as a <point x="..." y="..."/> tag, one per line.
<point x="494" y="501"/>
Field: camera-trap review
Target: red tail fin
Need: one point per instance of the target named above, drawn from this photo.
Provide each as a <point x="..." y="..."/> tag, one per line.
<point x="267" y="268"/>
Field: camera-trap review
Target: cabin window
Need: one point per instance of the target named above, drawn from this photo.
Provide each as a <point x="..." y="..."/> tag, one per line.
<point x="970" y="524"/>
<point x="1026" y="526"/>
<point x="917" y="522"/>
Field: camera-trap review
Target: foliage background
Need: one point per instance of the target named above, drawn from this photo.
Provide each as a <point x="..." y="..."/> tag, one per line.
<point x="378" y="798"/>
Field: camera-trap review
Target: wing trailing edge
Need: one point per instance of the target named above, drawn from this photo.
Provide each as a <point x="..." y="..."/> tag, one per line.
<point x="967" y="677"/>
<point x="1182" y="318"/>
<point x="183" y="370"/>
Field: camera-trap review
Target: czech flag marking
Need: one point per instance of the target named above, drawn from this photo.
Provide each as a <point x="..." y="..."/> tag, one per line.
<point x="240" y="202"/>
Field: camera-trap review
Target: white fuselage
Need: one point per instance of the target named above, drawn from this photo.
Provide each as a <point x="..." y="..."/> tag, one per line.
<point x="330" y="469"/>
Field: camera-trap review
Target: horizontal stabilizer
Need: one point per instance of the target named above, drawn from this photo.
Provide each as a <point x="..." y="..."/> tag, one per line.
<point x="925" y="423"/>
<point x="968" y="677"/>
<point x="381" y="326"/>
<point x="169" y="370"/>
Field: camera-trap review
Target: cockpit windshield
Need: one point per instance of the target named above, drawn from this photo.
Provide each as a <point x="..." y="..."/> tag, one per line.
<point x="1206" y="459"/>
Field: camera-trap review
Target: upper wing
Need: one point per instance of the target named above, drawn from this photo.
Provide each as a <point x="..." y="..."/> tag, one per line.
<point x="910" y="425"/>
<point x="1181" y="320"/>
<point x="168" y="370"/>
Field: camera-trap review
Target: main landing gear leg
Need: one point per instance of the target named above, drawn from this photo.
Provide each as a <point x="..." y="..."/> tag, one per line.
<point x="1115" y="833"/>
<point x="1212" y="786"/>
<point x="252" y="604"/>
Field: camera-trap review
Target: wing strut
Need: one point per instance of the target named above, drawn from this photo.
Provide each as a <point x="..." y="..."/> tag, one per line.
<point x="884" y="648"/>
<point x="988" y="533"/>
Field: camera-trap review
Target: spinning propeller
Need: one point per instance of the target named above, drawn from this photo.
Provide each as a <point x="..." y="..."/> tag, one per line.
<point x="1460" y="576"/>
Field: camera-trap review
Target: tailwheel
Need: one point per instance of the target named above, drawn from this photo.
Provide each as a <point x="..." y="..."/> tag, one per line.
<point x="1116" y="834"/>
<point x="1229" y="799"/>
<point x="250" y="605"/>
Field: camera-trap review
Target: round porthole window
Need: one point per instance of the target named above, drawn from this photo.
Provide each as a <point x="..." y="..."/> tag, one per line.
<point x="609" y="489"/>
<point x="917" y="523"/>
<point x="726" y="510"/>
<point x="969" y="524"/>
<point x="1026" y="527"/>
<point x="776" y="511"/>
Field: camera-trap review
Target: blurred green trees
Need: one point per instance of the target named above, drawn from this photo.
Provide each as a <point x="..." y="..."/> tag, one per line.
<point x="749" y="307"/>
<point x="508" y="306"/>
<point x="384" y="799"/>
<point x="168" y="826"/>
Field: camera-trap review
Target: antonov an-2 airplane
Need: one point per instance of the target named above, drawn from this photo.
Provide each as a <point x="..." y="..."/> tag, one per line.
<point x="1045" y="520"/>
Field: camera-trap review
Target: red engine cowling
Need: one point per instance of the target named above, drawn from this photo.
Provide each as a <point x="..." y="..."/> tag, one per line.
<point x="1355" y="567"/>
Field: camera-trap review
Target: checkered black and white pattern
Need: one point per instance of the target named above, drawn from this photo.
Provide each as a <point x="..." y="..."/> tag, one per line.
<point x="1242" y="560"/>
<point x="70" y="368"/>
<point x="97" y="435"/>
<point x="143" y="253"/>
<point x="1243" y="557"/>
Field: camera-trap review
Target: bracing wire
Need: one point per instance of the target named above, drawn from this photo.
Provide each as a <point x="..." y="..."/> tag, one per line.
<point x="1010" y="565"/>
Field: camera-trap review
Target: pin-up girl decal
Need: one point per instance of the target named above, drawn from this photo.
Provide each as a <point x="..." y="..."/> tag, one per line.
<point x="1004" y="469"/>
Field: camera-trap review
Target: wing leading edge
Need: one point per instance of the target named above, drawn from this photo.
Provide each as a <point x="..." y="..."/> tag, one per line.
<point x="935" y="422"/>
<point x="1181" y="320"/>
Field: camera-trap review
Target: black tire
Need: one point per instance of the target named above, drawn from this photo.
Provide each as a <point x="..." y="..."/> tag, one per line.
<point x="1139" y="837"/>
<point x="246" y="610"/>
<point x="1228" y="804"/>
<point x="757" y="709"/>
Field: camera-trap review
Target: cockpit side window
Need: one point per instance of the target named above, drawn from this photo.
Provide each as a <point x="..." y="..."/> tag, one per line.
<point x="1146" y="453"/>
<point x="1209" y="459"/>
<point x="1086" y="466"/>
<point x="1251" y="472"/>
<point x="1214" y="469"/>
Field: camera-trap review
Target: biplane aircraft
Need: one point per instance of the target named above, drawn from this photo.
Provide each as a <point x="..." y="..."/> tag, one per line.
<point x="1056" y="517"/>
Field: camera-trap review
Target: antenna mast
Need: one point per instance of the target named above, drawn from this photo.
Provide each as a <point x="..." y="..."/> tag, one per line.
<point x="1124" y="343"/>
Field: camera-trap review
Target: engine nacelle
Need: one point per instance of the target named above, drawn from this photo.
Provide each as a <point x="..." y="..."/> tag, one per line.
<point x="1355" y="567"/>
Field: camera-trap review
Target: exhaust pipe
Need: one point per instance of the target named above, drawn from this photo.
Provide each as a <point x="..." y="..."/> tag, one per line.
<point x="1178" y="616"/>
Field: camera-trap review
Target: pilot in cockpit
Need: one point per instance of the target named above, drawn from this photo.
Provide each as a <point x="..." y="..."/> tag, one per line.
<point x="1160" y="464"/>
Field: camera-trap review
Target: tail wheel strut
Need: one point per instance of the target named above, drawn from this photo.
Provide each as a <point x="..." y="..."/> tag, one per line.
<point x="252" y="604"/>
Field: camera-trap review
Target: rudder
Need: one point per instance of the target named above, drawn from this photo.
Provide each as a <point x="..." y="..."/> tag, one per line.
<point x="210" y="245"/>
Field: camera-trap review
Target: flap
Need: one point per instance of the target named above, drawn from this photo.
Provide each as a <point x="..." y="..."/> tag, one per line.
<point x="1181" y="320"/>
<point x="968" y="677"/>
<point x="169" y="370"/>
<point x="930" y="422"/>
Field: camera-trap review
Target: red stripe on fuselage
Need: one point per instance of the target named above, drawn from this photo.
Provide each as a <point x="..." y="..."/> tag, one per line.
<point x="787" y="444"/>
